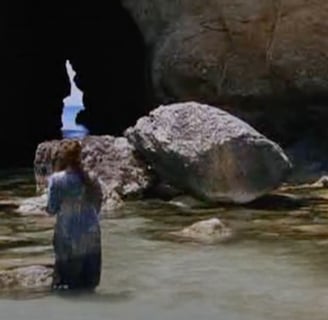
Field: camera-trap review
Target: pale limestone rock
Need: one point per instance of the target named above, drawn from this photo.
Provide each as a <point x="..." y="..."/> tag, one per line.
<point x="208" y="232"/>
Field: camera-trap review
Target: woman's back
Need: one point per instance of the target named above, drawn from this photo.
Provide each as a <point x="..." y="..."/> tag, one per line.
<point x="76" y="199"/>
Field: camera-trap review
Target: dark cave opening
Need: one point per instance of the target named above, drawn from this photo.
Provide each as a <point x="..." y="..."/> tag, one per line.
<point x="107" y="52"/>
<point x="110" y="64"/>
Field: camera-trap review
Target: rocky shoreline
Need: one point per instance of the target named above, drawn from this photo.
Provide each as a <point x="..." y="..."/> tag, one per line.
<point x="198" y="149"/>
<point x="208" y="161"/>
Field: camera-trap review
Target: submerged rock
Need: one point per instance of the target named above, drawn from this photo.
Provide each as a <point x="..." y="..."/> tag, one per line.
<point x="209" y="153"/>
<point x="33" y="206"/>
<point x="321" y="183"/>
<point x="188" y="202"/>
<point x="112" y="160"/>
<point x="32" y="277"/>
<point x="315" y="230"/>
<point x="208" y="232"/>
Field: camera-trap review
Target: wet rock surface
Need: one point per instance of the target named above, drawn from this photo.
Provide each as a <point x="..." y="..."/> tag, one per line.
<point x="22" y="278"/>
<point x="321" y="183"/>
<point x="209" y="231"/>
<point x="34" y="205"/>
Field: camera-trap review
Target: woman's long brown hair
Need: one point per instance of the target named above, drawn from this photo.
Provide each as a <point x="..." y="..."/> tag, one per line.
<point x="68" y="155"/>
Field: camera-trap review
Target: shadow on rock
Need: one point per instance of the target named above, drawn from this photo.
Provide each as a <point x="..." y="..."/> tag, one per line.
<point x="277" y="202"/>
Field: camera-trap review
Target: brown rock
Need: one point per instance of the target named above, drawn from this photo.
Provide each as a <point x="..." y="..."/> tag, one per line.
<point x="264" y="61"/>
<point x="111" y="159"/>
<point x="215" y="49"/>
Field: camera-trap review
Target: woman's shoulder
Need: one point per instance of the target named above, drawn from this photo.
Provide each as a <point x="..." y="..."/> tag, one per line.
<point x="57" y="176"/>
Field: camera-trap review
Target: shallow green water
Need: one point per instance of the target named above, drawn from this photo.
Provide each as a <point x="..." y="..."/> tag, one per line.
<point x="270" y="270"/>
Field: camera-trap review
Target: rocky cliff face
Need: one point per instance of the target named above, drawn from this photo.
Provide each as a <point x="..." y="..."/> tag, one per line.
<point x="221" y="50"/>
<point x="265" y="61"/>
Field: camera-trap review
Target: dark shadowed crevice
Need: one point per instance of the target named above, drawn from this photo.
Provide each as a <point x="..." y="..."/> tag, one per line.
<point x="105" y="48"/>
<point x="110" y="62"/>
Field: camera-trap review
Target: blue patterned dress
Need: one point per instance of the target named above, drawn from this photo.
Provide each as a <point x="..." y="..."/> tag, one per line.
<point x="77" y="239"/>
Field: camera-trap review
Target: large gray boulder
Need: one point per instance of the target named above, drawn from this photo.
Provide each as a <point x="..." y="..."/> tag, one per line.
<point x="113" y="160"/>
<point x="209" y="153"/>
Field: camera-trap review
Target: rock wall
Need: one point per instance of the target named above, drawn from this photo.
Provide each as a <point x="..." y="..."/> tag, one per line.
<point x="216" y="49"/>
<point x="266" y="60"/>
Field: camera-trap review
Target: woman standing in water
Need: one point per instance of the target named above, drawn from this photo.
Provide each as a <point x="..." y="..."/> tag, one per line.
<point x="75" y="198"/>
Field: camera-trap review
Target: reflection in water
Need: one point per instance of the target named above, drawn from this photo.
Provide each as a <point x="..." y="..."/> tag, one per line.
<point x="95" y="297"/>
<point x="268" y="273"/>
